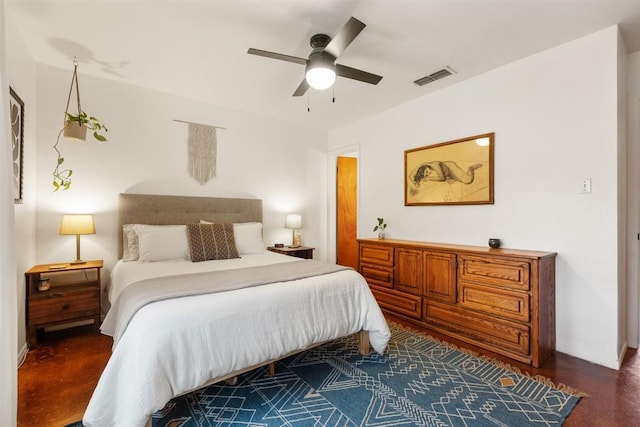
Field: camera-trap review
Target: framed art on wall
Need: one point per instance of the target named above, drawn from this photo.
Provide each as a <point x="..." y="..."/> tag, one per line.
<point x="16" y="113"/>
<point x="458" y="172"/>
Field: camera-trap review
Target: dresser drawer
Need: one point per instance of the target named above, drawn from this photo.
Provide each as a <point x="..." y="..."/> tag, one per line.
<point x="500" y="302"/>
<point x="398" y="302"/>
<point x="483" y="331"/>
<point x="502" y="272"/>
<point x="377" y="275"/>
<point x="376" y="254"/>
<point x="59" y="305"/>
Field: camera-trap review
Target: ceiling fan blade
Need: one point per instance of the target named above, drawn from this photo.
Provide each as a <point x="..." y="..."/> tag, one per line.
<point x="279" y="56"/>
<point x="355" y="74"/>
<point x="302" y="89"/>
<point x="345" y="36"/>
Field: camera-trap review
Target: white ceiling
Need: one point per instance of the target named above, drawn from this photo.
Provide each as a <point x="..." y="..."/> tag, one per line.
<point x="197" y="49"/>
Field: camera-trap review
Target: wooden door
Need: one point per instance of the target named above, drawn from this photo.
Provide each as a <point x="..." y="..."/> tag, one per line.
<point x="440" y="276"/>
<point x="346" y="212"/>
<point x="408" y="274"/>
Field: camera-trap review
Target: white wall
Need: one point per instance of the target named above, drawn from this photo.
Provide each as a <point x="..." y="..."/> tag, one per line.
<point x="554" y="116"/>
<point x="623" y="234"/>
<point x="22" y="76"/>
<point x="633" y="189"/>
<point x="146" y="152"/>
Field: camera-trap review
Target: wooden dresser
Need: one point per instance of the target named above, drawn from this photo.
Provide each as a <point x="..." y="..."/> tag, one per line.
<point x="502" y="300"/>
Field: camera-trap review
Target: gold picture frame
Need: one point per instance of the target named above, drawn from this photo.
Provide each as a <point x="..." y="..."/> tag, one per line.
<point x="458" y="172"/>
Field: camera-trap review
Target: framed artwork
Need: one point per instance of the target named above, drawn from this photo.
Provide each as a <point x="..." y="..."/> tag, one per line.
<point x="16" y="113"/>
<point x="458" y="172"/>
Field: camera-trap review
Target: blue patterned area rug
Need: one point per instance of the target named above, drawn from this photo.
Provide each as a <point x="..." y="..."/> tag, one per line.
<point x="419" y="381"/>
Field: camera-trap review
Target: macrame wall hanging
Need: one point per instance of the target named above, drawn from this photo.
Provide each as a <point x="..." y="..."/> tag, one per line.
<point x="203" y="151"/>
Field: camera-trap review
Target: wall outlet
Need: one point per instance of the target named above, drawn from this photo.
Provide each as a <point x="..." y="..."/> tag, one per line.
<point x="585" y="187"/>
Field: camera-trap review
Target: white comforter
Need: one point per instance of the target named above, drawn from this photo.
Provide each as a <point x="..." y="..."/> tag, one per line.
<point x="175" y="346"/>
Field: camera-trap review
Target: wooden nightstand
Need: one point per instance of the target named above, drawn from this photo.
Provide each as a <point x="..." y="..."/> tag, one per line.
<point x="74" y="295"/>
<point x="299" y="252"/>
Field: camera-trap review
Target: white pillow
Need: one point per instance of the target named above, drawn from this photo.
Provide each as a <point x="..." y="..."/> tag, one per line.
<point x="248" y="237"/>
<point x="162" y="242"/>
<point x="130" y="250"/>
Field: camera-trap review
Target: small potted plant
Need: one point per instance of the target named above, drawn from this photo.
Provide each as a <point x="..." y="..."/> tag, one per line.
<point x="75" y="127"/>
<point x="380" y="227"/>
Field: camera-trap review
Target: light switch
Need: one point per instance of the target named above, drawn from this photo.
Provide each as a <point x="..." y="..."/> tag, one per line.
<point x="586" y="186"/>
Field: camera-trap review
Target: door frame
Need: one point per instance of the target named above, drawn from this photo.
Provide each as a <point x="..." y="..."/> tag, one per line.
<point x="332" y="165"/>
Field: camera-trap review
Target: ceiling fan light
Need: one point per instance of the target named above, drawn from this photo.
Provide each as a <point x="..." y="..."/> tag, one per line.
<point x="320" y="77"/>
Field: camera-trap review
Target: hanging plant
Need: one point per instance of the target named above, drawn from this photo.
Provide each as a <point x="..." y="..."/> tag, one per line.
<point x="75" y="127"/>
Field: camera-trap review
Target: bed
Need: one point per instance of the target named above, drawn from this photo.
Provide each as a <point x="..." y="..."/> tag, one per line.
<point x="180" y="324"/>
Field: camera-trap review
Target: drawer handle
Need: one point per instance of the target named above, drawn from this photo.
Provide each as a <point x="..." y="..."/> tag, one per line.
<point x="65" y="306"/>
<point x="56" y="295"/>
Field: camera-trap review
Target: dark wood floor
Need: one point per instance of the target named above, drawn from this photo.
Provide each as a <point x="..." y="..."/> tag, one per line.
<point x="57" y="378"/>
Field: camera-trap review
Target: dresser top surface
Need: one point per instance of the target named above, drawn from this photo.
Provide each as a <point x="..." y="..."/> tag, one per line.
<point x="478" y="250"/>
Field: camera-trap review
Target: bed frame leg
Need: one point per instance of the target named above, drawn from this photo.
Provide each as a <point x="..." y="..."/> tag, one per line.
<point x="364" y="347"/>
<point x="272" y="369"/>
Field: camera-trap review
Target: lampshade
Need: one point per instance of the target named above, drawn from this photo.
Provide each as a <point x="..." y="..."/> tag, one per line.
<point x="293" y="221"/>
<point x="77" y="224"/>
<point x="320" y="71"/>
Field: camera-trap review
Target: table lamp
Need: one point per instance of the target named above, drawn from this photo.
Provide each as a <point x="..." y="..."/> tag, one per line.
<point x="77" y="224"/>
<point x="294" y="222"/>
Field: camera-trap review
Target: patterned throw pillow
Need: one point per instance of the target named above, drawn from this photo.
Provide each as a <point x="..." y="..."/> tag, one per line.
<point x="211" y="241"/>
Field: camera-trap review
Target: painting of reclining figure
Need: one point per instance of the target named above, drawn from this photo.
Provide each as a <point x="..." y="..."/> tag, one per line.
<point x="454" y="172"/>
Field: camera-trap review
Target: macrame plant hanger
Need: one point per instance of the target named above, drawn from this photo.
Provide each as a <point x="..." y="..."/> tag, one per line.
<point x="62" y="175"/>
<point x="74" y="130"/>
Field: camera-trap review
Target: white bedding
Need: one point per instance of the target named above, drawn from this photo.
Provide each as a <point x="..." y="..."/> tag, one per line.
<point x="175" y="346"/>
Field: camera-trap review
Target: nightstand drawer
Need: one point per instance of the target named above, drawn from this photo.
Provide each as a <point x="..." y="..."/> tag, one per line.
<point x="57" y="305"/>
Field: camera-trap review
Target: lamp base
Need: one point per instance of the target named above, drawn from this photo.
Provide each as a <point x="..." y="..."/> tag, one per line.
<point x="78" y="261"/>
<point x="296" y="239"/>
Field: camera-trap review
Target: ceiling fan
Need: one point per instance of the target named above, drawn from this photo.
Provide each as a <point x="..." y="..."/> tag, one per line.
<point x="320" y="68"/>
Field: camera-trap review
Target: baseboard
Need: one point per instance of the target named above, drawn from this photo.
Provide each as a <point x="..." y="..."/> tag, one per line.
<point x="621" y="353"/>
<point x="612" y="361"/>
<point x="22" y="354"/>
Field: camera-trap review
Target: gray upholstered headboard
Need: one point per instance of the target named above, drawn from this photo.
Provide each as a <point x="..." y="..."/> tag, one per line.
<point x="164" y="210"/>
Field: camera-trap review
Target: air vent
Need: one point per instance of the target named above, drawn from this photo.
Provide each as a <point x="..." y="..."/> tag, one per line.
<point x="446" y="71"/>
